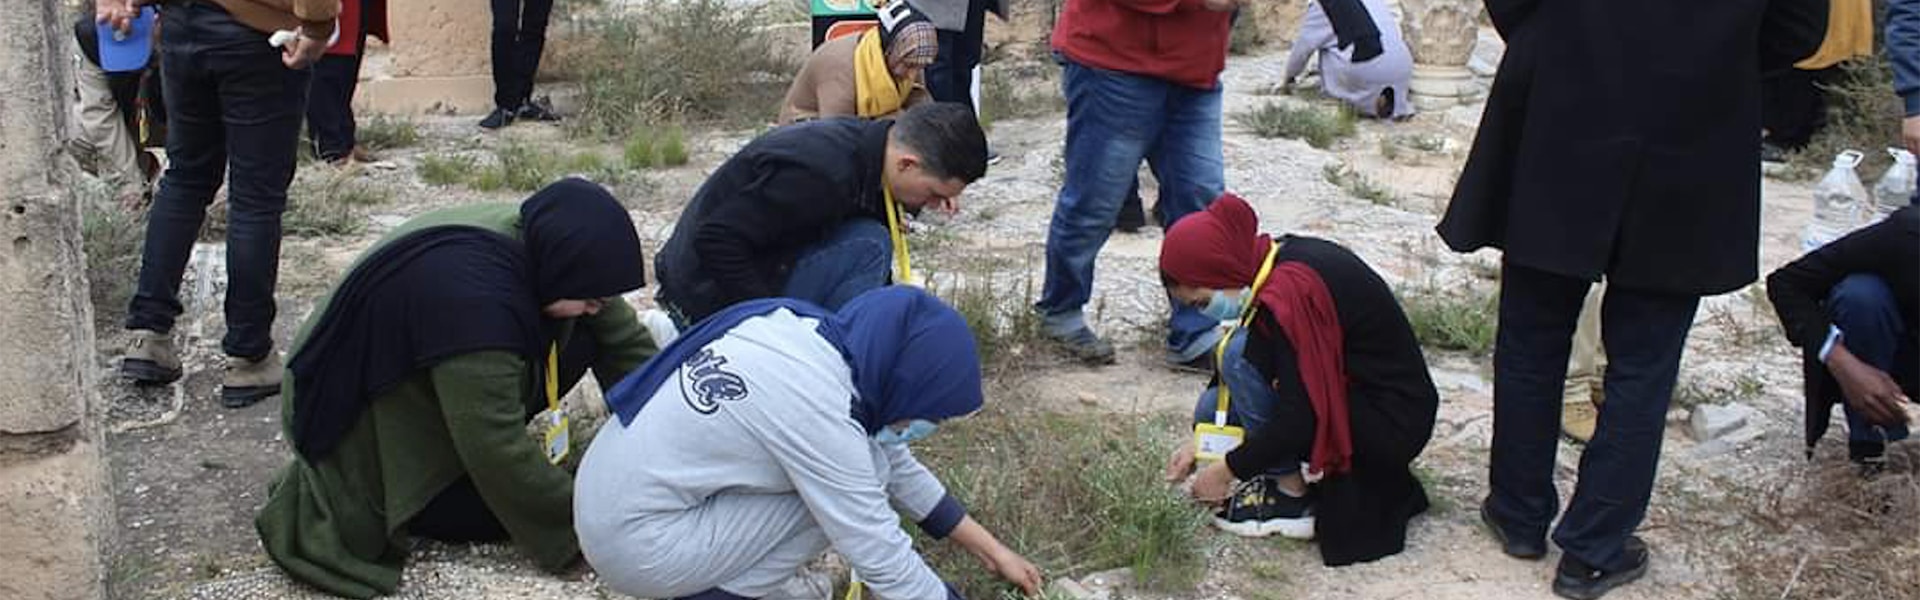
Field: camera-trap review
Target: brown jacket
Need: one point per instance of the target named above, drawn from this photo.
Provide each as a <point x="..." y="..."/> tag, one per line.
<point x="313" y="17"/>
<point x="825" y="87"/>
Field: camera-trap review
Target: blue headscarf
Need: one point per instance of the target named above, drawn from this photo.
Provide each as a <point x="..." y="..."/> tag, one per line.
<point x="912" y="356"/>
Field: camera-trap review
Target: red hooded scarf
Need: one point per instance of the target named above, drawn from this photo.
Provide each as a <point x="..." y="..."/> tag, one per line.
<point x="1222" y="248"/>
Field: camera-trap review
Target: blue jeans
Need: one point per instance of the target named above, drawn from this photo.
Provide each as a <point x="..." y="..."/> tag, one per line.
<point x="1252" y="399"/>
<point x="1645" y="333"/>
<point x="852" y="261"/>
<point x="233" y="112"/>
<point x="1114" y="120"/>
<point x="1863" y="307"/>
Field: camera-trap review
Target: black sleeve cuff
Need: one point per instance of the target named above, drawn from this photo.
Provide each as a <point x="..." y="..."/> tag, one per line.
<point x="943" y="518"/>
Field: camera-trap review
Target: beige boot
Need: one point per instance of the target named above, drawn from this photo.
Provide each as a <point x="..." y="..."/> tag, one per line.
<point x="150" y="358"/>
<point x="1578" y="420"/>
<point x="249" y="381"/>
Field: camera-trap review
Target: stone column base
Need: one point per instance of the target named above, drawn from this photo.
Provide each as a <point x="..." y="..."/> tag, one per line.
<point x="1437" y="87"/>
<point x="463" y="95"/>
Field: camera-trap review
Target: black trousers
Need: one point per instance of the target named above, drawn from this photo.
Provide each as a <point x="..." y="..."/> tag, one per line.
<point x="950" y="77"/>
<point x="330" y="106"/>
<point x="519" y="36"/>
<point x="1793" y="105"/>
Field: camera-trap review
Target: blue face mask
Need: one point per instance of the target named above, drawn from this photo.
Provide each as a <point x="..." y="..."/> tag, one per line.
<point x="916" y="429"/>
<point x="1223" y="307"/>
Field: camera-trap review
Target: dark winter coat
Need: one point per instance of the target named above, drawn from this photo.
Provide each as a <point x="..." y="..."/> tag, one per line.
<point x="1621" y="137"/>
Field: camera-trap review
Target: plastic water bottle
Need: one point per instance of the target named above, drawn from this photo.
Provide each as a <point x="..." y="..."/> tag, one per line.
<point x="1895" y="187"/>
<point x="1840" y="202"/>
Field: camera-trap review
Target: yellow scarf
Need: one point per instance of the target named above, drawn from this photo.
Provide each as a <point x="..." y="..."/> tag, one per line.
<point x="1849" y="34"/>
<point x="876" y="92"/>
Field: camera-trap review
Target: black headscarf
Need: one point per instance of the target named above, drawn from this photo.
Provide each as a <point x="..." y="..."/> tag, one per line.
<point x="455" y="289"/>
<point x="1353" y="26"/>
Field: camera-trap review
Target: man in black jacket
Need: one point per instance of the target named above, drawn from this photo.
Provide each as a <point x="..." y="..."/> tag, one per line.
<point x="801" y="212"/>
<point x="1853" y="307"/>
<point x="1619" y="140"/>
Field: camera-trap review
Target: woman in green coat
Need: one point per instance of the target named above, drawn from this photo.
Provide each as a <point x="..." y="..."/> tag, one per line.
<point x="409" y="391"/>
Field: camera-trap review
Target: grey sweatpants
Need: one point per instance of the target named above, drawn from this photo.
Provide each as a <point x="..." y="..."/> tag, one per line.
<point x="744" y="544"/>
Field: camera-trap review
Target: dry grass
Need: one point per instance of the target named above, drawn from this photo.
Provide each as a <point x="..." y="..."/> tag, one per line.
<point x="679" y="59"/>
<point x="1318" y="127"/>
<point x="1821" y="532"/>
<point x="1863" y="114"/>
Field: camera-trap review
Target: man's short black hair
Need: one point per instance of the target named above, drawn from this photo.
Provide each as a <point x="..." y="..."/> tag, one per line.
<point x="947" y="138"/>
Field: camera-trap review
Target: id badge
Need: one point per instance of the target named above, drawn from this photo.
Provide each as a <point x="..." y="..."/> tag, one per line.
<point x="557" y="443"/>
<point x="1212" y="442"/>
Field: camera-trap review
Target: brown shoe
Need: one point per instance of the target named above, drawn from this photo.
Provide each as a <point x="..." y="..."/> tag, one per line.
<point x="1578" y="420"/>
<point x="249" y="381"/>
<point x="150" y="359"/>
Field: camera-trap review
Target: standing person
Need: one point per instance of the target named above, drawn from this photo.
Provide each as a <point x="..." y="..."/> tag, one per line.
<point x="233" y="108"/>
<point x="1322" y="373"/>
<point x="411" y="386"/>
<point x="519" y="36"/>
<point x="811" y="210"/>
<point x="1903" y="51"/>
<point x="1656" y="186"/>
<point x="1581" y="397"/>
<point x="1363" y="60"/>
<point x="962" y="25"/>
<point x="1142" y="81"/>
<point x="1853" y="308"/>
<point x="107" y="115"/>
<point x="875" y="74"/>
<point x="776" y="430"/>
<point x="330" y="104"/>
<point x="1793" y="103"/>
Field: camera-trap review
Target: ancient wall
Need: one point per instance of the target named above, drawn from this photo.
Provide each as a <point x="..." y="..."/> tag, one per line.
<point x="54" y="502"/>
<point x="438" y="59"/>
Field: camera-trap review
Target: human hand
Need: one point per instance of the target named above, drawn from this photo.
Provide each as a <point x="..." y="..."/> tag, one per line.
<point x="1910" y="133"/>
<point x="1867" y="389"/>
<point x="117" y="13"/>
<point x="1014" y="568"/>
<point x="1180" y="462"/>
<point x="1214" y="485"/>
<point x="302" y="51"/>
<point x="1223" y="5"/>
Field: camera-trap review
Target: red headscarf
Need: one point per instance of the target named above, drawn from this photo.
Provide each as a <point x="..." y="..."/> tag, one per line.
<point x="1222" y="248"/>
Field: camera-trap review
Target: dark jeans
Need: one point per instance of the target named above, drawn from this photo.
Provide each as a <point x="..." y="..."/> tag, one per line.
<point x="1252" y="400"/>
<point x="852" y="261"/>
<point x="1645" y="333"/>
<point x="229" y="101"/>
<point x="1864" y="309"/>
<point x="950" y="77"/>
<point x="519" y="35"/>
<point x="330" y="105"/>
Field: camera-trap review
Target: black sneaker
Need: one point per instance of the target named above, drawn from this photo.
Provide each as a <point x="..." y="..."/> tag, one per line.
<point x="1577" y="580"/>
<point x="538" y="109"/>
<point x="1259" y="509"/>
<point x="500" y="117"/>
<point x="1521" y="547"/>
<point x="1770" y="153"/>
<point x="1870" y="457"/>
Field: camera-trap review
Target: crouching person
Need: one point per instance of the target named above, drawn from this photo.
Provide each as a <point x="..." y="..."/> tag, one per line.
<point x="1853" y="307"/>
<point x="773" y="431"/>
<point x="409" y="391"/>
<point x="1322" y="379"/>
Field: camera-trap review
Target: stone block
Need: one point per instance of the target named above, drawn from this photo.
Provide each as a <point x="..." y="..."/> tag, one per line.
<point x="1709" y="421"/>
<point x="52" y="508"/>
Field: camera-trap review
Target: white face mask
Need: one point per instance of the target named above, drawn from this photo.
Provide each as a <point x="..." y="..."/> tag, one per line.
<point x="916" y="429"/>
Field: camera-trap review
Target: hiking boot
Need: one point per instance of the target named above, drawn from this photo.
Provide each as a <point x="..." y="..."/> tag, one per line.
<point x="1085" y="346"/>
<point x="1525" y="548"/>
<point x="1202" y="364"/>
<point x="538" y="109"/>
<point x="1259" y="508"/>
<point x="500" y="117"/>
<point x="1578" y="418"/>
<point x="249" y="381"/>
<point x="150" y="358"/>
<point x="1870" y="457"/>
<point x="1580" y="581"/>
<point x="1133" y="217"/>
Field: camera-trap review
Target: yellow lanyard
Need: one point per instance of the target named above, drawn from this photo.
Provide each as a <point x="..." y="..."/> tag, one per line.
<point x="1246" y="316"/>
<point x="902" y="263"/>
<point x="553" y="377"/>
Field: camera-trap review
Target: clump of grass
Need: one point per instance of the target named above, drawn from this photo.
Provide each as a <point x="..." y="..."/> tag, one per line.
<point x="1357" y="184"/>
<point x="330" y="205"/>
<point x="1863" y="114"/>
<point x="524" y="168"/>
<point x="112" y="239"/>
<point x="1852" y="536"/>
<point x="1318" y="127"/>
<point x="1074" y="495"/>
<point x="701" y="59"/>
<point x="653" y="147"/>
<point x="996" y="310"/>
<point x="1245" y="37"/>
<point x="439" y="169"/>
<point x="386" y="133"/>
<point x="1452" y="319"/>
